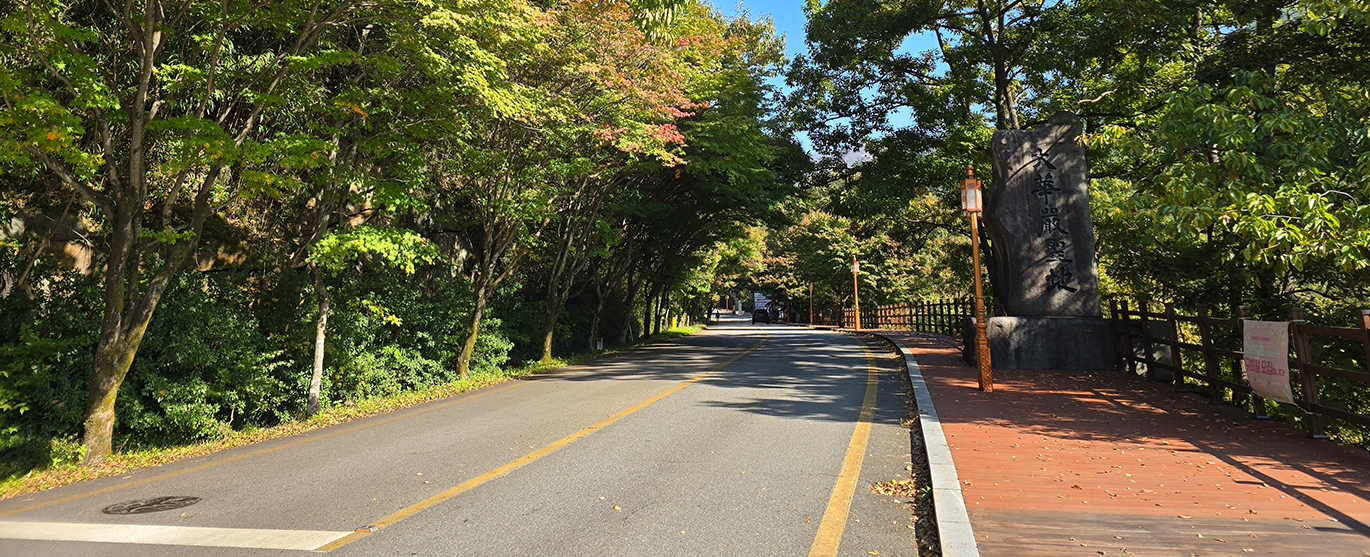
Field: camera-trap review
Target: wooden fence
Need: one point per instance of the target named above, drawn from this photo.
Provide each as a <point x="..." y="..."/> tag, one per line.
<point x="1207" y="349"/>
<point x="937" y="316"/>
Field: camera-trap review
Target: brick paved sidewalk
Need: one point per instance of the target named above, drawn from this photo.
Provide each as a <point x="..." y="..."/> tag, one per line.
<point x="1058" y="463"/>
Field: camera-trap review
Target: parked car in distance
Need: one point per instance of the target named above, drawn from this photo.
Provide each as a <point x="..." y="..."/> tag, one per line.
<point x="761" y="315"/>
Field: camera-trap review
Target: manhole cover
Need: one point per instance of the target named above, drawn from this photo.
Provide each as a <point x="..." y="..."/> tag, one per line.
<point x="151" y="505"/>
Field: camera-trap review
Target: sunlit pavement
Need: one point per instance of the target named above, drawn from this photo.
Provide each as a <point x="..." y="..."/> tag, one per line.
<point x="1070" y="463"/>
<point x="732" y="441"/>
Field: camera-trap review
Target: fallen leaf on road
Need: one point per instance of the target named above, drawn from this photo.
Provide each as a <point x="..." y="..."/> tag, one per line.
<point x="901" y="488"/>
<point x="617" y="508"/>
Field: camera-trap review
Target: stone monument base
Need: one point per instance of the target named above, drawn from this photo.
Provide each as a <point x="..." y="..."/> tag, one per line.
<point x="1069" y="343"/>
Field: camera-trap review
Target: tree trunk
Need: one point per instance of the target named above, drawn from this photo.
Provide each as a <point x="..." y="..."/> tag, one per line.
<point x="112" y="362"/>
<point x="594" y="321"/>
<point x="320" y="335"/>
<point x="549" y="327"/>
<point x="126" y="312"/>
<point x="120" y="336"/>
<point x="625" y="330"/>
<point x="660" y="322"/>
<point x="647" y="316"/>
<point x="472" y="332"/>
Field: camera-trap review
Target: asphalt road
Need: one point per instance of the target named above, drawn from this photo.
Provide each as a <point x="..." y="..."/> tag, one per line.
<point x="740" y="440"/>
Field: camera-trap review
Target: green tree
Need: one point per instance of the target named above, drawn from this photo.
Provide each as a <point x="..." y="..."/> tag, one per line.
<point x="147" y="105"/>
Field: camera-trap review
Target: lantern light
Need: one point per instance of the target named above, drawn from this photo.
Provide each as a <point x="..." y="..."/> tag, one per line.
<point x="971" y="199"/>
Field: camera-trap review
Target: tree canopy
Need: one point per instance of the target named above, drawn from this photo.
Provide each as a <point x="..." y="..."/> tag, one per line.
<point x="224" y="215"/>
<point x="432" y="176"/>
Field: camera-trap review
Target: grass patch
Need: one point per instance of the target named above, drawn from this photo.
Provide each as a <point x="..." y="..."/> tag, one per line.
<point x="66" y="471"/>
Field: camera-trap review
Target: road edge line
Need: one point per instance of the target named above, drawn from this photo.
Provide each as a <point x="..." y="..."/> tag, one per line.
<point x="828" y="539"/>
<point x="434" y="500"/>
<point x="953" y="520"/>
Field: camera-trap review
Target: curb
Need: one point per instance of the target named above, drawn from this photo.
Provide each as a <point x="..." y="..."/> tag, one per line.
<point x="953" y="522"/>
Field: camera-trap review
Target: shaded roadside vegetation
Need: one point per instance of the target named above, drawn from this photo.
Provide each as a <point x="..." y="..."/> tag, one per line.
<point x="36" y="470"/>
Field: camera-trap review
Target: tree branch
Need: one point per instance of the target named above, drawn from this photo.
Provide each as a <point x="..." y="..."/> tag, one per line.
<point x="98" y="198"/>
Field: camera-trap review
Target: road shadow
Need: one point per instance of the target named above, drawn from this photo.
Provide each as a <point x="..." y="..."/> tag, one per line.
<point x="1113" y="407"/>
<point x="796" y="373"/>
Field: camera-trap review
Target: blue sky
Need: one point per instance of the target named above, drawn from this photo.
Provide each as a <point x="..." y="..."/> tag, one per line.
<point x="789" y="19"/>
<point x="788" y="16"/>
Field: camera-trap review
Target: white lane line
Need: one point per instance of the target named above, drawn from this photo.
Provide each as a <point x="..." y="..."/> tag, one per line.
<point x="167" y="535"/>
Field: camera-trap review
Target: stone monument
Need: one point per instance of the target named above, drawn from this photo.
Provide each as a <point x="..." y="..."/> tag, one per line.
<point x="1045" y="276"/>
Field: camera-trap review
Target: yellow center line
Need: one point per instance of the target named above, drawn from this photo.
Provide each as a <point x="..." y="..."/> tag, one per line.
<point x="527" y="381"/>
<point x="829" y="535"/>
<point x="525" y="459"/>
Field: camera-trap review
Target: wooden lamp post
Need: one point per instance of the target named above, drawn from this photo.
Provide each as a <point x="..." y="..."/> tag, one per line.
<point x="855" y="290"/>
<point x="972" y="204"/>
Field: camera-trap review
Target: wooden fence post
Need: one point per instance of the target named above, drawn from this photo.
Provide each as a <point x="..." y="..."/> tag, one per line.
<point x="968" y="309"/>
<point x="1364" y="325"/>
<point x="1148" y="356"/>
<point x="1309" y="382"/>
<point x="1118" y="361"/>
<point x="1175" y="359"/>
<point x="1244" y="312"/>
<point x="1210" y="359"/>
<point x="1127" y="334"/>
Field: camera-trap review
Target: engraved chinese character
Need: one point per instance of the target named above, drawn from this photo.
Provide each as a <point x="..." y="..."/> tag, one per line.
<point x="1060" y="277"/>
<point x="1051" y="221"/>
<point x="1046" y="187"/>
<point x="1056" y="250"/>
<point x="1040" y="159"/>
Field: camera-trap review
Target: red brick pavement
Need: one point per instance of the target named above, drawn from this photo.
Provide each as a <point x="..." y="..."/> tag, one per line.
<point x="1090" y="463"/>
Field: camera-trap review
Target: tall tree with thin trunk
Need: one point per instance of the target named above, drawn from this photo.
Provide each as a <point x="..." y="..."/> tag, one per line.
<point x="152" y="106"/>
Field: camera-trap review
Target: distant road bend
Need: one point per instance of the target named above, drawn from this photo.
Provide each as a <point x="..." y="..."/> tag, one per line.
<point x="744" y="439"/>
